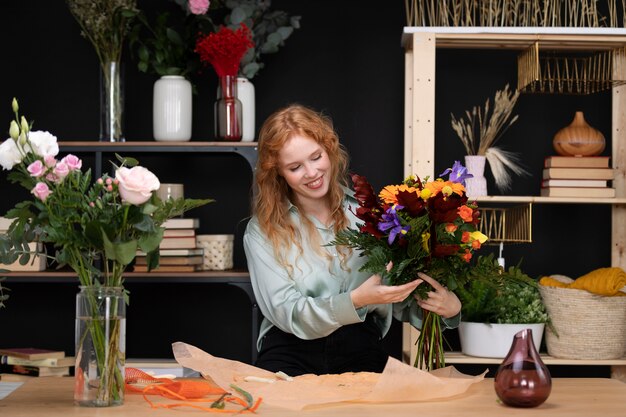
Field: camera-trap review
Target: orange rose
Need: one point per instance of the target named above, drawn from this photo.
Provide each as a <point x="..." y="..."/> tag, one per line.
<point x="451" y="228"/>
<point x="465" y="237"/>
<point x="465" y="213"/>
<point x="467" y="255"/>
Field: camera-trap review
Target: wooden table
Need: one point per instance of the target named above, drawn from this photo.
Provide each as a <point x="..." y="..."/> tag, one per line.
<point x="570" y="397"/>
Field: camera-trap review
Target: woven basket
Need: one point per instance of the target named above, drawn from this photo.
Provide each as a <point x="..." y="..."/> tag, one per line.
<point x="589" y="326"/>
<point x="218" y="251"/>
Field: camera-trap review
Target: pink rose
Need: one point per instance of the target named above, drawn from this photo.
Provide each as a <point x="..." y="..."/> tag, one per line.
<point x="199" y="6"/>
<point x="36" y="169"/>
<point x="50" y="161"/>
<point x="61" y="170"/>
<point x="41" y="191"/>
<point x="136" y="184"/>
<point x="73" y="162"/>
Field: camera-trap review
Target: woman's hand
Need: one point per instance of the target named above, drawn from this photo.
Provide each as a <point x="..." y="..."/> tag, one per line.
<point x="373" y="291"/>
<point x="441" y="301"/>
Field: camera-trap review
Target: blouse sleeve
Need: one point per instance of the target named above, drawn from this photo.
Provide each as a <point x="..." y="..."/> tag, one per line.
<point x="282" y="302"/>
<point x="409" y="311"/>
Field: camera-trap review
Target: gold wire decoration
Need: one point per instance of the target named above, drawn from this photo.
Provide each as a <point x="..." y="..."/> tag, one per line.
<point x="521" y="13"/>
<point x="551" y="72"/>
<point x="507" y="224"/>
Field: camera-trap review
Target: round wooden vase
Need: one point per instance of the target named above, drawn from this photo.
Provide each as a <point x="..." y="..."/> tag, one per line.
<point x="579" y="139"/>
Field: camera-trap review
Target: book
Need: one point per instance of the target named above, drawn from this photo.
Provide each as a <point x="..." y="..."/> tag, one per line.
<point x="179" y="232"/>
<point x="176" y="252"/>
<point x="579" y="173"/>
<point x="50" y="362"/>
<point x="182" y="223"/>
<point x="32" y="353"/>
<point x="168" y="268"/>
<point x="577" y="192"/>
<point x="574" y="183"/>
<point x="172" y="260"/>
<point x="576" y="162"/>
<point x="35" y="370"/>
<point x="182" y="242"/>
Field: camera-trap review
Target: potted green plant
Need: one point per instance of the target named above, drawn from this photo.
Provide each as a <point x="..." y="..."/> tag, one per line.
<point x="497" y="304"/>
<point x="164" y="46"/>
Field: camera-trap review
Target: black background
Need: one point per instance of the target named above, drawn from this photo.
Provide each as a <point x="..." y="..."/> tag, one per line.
<point x="347" y="61"/>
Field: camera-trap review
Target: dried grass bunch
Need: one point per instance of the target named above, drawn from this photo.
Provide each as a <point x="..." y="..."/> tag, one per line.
<point x="482" y="128"/>
<point x="516" y="13"/>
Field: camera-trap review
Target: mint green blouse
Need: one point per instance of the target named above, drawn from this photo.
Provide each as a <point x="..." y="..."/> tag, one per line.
<point x="315" y="300"/>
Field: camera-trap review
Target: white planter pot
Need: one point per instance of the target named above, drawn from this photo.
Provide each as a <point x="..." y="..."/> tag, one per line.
<point x="245" y="94"/>
<point x="490" y="340"/>
<point x="171" y="109"/>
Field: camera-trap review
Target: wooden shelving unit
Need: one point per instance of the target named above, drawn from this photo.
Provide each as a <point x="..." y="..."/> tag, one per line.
<point x="421" y="44"/>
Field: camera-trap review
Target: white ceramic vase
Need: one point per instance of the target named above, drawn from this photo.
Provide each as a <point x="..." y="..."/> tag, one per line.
<point x="477" y="185"/>
<point x="492" y="340"/>
<point x="245" y="94"/>
<point x="171" y="109"/>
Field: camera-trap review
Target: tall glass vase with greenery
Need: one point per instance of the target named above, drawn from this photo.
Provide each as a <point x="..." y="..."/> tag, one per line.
<point x="94" y="228"/>
<point x="105" y="23"/>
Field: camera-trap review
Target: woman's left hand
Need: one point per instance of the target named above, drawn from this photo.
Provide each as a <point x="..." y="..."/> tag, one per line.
<point x="441" y="301"/>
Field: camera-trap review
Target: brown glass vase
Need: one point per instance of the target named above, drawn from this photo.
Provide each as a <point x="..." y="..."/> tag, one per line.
<point x="579" y="139"/>
<point x="228" y="111"/>
<point x="523" y="380"/>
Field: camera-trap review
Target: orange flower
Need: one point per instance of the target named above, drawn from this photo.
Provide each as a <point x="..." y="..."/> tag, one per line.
<point x="451" y="228"/>
<point x="467" y="256"/>
<point x="389" y="194"/>
<point x="438" y="186"/>
<point x="476" y="244"/>
<point x="466" y="213"/>
<point x="465" y="237"/>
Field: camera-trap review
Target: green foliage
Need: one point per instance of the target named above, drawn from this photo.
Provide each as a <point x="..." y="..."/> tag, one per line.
<point x="165" y="45"/>
<point x="492" y="295"/>
<point x="270" y="30"/>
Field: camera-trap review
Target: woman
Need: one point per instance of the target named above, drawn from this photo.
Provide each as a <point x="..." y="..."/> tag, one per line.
<point x="321" y="314"/>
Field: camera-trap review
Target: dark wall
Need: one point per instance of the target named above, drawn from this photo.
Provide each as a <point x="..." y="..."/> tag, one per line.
<point x="345" y="60"/>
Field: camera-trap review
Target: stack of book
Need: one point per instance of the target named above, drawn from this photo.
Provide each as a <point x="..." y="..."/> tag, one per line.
<point x="35" y="263"/>
<point x="35" y="362"/>
<point x="178" y="251"/>
<point x="577" y="176"/>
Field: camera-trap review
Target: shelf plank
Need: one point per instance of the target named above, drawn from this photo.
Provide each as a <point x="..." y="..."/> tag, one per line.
<point x="217" y="277"/>
<point x="546" y="200"/>
<point x="460" y="358"/>
<point x="517" y="38"/>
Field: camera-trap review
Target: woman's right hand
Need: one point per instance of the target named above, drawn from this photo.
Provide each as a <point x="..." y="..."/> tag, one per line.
<point x="373" y="291"/>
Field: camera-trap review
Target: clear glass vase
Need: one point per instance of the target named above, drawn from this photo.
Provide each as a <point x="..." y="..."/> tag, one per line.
<point x="100" y="346"/>
<point x="228" y="111"/>
<point x="111" y="102"/>
<point x="523" y="380"/>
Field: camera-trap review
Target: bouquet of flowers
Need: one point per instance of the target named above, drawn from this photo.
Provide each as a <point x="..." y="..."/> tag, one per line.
<point x="95" y="228"/>
<point x="420" y="226"/>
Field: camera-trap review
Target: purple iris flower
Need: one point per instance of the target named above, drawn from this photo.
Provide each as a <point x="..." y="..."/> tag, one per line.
<point x="458" y="173"/>
<point x="392" y="223"/>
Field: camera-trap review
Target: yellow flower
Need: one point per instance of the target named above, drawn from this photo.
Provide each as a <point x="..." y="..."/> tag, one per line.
<point x="425" y="241"/>
<point x="425" y="194"/>
<point x="478" y="236"/>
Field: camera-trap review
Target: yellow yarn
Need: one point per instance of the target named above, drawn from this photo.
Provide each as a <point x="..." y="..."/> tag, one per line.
<point x="602" y="281"/>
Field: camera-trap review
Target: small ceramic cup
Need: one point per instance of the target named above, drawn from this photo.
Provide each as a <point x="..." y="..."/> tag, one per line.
<point x="173" y="191"/>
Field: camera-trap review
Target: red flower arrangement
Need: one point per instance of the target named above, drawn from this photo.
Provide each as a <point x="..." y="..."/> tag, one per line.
<point x="224" y="49"/>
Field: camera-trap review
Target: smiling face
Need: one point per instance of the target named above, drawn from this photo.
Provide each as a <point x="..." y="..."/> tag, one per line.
<point x="305" y="166"/>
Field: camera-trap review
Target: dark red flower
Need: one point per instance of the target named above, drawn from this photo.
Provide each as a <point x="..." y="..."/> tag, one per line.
<point x="441" y="251"/>
<point x="364" y="192"/>
<point x="444" y="209"/>
<point x="413" y="205"/>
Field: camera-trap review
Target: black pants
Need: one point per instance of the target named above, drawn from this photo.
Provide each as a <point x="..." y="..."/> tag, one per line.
<point x="353" y="348"/>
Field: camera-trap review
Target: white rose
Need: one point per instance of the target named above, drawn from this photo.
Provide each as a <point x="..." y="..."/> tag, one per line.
<point x="136" y="184"/>
<point x="43" y="143"/>
<point x="9" y="154"/>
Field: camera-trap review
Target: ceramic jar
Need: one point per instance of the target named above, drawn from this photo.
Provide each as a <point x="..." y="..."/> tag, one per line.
<point x="171" y="109"/>
<point x="579" y="139"/>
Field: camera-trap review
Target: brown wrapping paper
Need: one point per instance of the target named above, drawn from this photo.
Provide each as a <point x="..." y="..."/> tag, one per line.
<point x="397" y="383"/>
